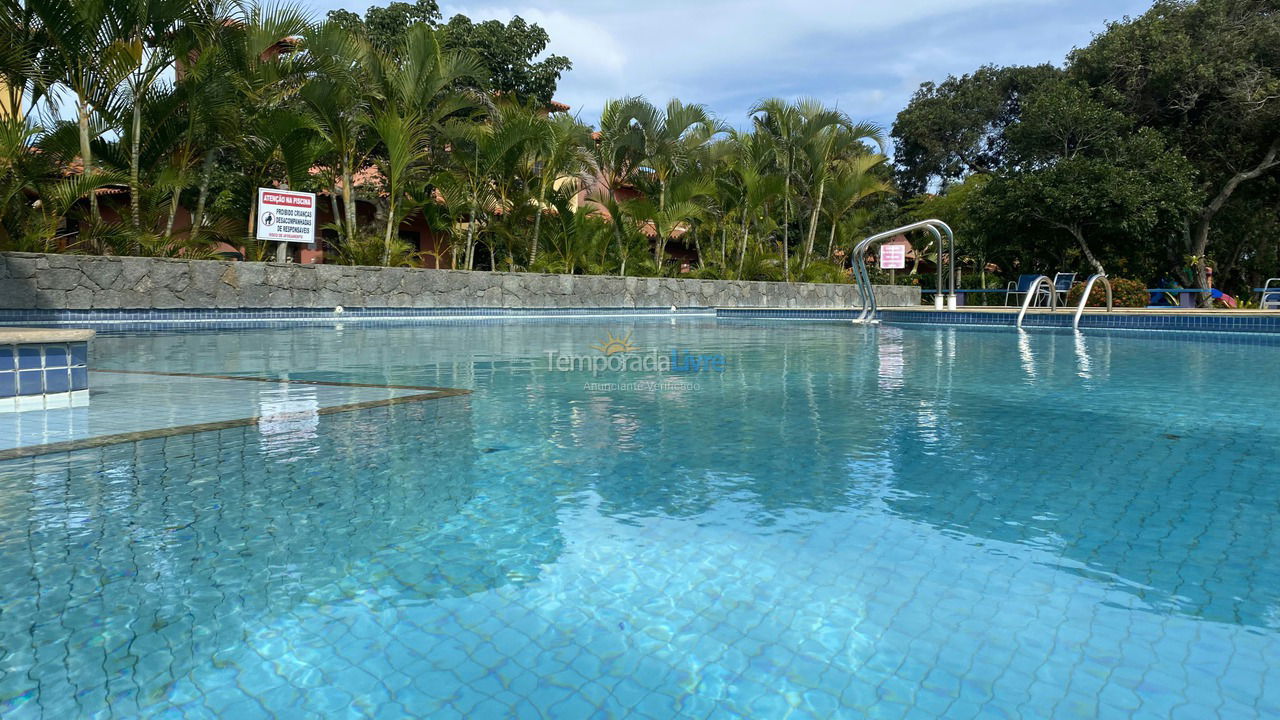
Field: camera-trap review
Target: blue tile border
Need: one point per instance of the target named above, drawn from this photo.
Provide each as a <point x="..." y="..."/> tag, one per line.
<point x="258" y="318"/>
<point x="1102" y="321"/>
<point x="787" y="314"/>
<point x="1117" y="321"/>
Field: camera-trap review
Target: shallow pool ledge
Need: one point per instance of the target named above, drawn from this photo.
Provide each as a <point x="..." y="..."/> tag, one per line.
<point x="42" y="368"/>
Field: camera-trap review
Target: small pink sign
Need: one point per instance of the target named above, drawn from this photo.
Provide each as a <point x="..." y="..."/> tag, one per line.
<point x="893" y="257"/>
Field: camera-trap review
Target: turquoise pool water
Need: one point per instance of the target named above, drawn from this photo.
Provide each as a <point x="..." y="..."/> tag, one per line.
<point x="844" y="522"/>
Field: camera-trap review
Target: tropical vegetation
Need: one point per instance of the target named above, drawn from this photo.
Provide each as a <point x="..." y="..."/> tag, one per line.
<point x="145" y="126"/>
<point x="171" y="114"/>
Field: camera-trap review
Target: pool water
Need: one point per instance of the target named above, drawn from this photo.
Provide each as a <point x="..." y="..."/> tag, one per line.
<point x="838" y="522"/>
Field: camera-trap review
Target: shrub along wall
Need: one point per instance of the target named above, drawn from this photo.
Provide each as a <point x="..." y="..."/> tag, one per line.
<point x="38" y="281"/>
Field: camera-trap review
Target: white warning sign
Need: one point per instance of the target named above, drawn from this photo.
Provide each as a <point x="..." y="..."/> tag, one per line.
<point x="286" y="216"/>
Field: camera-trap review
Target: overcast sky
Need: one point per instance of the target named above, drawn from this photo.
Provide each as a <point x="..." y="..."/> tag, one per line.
<point x="866" y="56"/>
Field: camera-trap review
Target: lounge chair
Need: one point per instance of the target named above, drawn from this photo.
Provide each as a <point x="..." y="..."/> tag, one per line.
<point x="1271" y="295"/>
<point x="1062" y="283"/>
<point x="1021" y="287"/>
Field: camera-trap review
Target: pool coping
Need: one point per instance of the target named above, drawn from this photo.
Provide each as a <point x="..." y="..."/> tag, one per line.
<point x="431" y="393"/>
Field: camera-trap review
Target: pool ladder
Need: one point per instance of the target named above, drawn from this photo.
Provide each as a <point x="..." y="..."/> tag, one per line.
<point x="1043" y="280"/>
<point x="867" y="294"/>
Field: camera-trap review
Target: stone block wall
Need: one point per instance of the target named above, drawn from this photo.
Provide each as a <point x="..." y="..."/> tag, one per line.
<point x="73" y="282"/>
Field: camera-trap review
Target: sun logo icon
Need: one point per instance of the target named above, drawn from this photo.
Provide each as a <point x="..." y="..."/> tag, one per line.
<point x="613" y="345"/>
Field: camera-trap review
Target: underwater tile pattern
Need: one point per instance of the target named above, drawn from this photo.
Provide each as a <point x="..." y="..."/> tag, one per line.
<point x="848" y="522"/>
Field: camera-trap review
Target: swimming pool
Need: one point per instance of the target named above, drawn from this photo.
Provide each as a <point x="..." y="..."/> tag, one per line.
<point x="834" y="521"/>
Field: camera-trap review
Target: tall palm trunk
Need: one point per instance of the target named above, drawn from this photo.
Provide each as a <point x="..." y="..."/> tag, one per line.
<point x="349" y="209"/>
<point x="135" y="160"/>
<point x="786" y="227"/>
<point x="471" y="233"/>
<point x="86" y="153"/>
<point x="173" y="207"/>
<point x="742" y="253"/>
<point x="537" y="222"/>
<point x="617" y="230"/>
<point x="386" y="236"/>
<point x="813" y="222"/>
<point x="206" y="177"/>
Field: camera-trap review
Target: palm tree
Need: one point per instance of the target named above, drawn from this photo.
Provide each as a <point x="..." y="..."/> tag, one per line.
<point x="264" y="74"/>
<point x="791" y="128"/>
<point x="619" y="152"/>
<point x="674" y="142"/>
<point x="758" y="185"/>
<point x="781" y="123"/>
<point x="562" y="162"/>
<point x="686" y="200"/>
<point x="850" y="182"/>
<point x="20" y="71"/>
<point x="419" y="91"/>
<point x="84" y="47"/>
<point x="147" y="30"/>
<point x="828" y="144"/>
<point x="337" y="98"/>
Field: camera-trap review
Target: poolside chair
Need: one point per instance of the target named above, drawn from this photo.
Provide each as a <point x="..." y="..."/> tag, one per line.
<point x="1020" y="287"/>
<point x="1062" y="283"/>
<point x="1271" y="295"/>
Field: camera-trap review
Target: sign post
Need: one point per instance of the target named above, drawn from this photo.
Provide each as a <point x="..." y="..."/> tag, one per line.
<point x="286" y="216"/>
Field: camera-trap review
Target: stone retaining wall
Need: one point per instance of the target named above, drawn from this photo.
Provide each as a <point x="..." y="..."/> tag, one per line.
<point x="39" y="281"/>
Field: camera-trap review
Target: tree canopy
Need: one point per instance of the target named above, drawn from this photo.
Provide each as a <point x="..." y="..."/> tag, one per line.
<point x="1154" y="147"/>
<point x="511" y="52"/>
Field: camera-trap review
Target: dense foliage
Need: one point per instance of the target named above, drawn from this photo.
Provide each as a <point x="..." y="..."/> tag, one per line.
<point x="1125" y="293"/>
<point x="413" y="117"/>
<point x="1151" y="154"/>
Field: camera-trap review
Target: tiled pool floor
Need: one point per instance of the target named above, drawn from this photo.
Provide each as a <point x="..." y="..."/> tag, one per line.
<point x="874" y="522"/>
<point x="142" y="404"/>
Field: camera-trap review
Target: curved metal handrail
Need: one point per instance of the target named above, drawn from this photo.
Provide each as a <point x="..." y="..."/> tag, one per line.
<point x="1088" y="288"/>
<point x="1031" y="296"/>
<point x="863" y="278"/>
<point x="951" y="260"/>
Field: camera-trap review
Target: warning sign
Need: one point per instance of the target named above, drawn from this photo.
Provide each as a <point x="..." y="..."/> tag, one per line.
<point x="286" y="216"/>
<point x="893" y="257"/>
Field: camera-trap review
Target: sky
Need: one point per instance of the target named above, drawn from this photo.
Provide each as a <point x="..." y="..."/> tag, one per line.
<point x="866" y="57"/>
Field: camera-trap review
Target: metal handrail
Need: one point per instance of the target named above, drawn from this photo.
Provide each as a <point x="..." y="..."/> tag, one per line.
<point x="863" y="278"/>
<point x="1088" y="288"/>
<point x="1031" y="296"/>
<point x="951" y="259"/>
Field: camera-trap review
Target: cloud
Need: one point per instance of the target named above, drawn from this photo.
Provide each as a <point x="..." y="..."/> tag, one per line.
<point x="867" y="56"/>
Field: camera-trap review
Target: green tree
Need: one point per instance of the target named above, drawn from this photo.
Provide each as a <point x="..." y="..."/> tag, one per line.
<point x="510" y="51"/>
<point x="1080" y="167"/>
<point x="1206" y="75"/>
<point x="955" y="128"/>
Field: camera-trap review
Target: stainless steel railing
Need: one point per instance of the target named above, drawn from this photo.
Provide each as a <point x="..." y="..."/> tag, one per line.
<point x="1031" y="296"/>
<point x="865" y="292"/>
<point x="1084" y="299"/>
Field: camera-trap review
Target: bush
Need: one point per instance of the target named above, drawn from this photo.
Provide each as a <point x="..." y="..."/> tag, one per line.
<point x="1124" y="293"/>
<point x="901" y="277"/>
